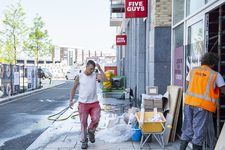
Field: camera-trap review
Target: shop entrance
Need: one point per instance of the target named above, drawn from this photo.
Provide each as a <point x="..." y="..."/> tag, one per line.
<point x="215" y="43"/>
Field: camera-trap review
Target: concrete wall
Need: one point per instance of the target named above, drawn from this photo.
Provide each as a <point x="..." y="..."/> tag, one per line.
<point x="147" y="53"/>
<point x="118" y="48"/>
<point x="160" y="58"/>
<point x="141" y="53"/>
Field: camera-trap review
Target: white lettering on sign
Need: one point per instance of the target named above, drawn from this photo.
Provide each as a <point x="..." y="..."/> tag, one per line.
<point x="178" y="77"/>
<point x="119" y="40"/>
<point x="136" y="6"/>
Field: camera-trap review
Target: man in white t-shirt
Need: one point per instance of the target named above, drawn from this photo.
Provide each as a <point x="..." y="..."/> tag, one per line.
<point x="88" y="100"/>
<point x="201" y="98"/>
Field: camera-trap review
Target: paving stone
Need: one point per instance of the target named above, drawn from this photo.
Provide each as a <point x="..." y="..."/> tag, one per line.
<point x="73" y="137"/>
<point x="136" y="145"/>
<point x="154" y="144"/>
<point x="123" y="145"/>
<point x="172" y="147"/>
<point x="175" y="144"/>
<point x="67" y="149"/>
<point x="62" y="142"/>
<point x="76" y="129"/>
<point x="135" y="149"/>
<point x="51" y="148"/>
<point x="97" y="143"/>
<point x="36" y="147"/>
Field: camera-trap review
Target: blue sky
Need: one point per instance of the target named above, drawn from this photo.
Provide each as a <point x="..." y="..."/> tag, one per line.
<point x="80" y="23"/>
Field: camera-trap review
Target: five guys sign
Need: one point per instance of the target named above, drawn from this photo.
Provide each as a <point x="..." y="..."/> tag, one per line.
<point x="121" y="40"/>
<point x="136" y="8"/>
<point x="133" y="9"/>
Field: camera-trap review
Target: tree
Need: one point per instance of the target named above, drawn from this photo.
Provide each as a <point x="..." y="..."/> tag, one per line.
<point x="8" y="52"/>
<point x="14" y="33"/>
<point x="38" y="44"/>
<point x="1" y="52"/>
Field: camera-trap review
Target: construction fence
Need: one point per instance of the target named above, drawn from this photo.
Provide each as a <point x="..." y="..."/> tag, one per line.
<point x="18" y="79"/>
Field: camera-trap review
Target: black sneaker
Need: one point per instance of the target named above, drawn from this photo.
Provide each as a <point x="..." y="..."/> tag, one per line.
<point x="84" y="144"/>
<point x="91" y="137"/>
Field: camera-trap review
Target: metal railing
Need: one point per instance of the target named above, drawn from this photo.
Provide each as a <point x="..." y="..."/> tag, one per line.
<point x="117" y="15"/>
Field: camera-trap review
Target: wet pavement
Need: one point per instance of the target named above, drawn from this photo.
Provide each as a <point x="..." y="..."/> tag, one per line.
<point x="65" y="135"/>
<point x="23" y="119"/>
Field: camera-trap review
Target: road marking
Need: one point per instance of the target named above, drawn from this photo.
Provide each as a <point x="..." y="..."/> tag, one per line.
<point x="13" y="100"/>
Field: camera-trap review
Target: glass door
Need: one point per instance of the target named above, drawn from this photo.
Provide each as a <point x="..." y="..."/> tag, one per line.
<point x="195" y="42"/>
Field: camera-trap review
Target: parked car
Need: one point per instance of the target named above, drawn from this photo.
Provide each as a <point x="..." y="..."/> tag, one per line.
<point x="72" y="73"/>
<point x="44" y="73"/>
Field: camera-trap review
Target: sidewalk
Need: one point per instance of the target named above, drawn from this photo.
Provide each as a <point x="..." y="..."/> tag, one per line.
<point x="65" y="135"/>
<point x="54" y="82"/>
<point x="45" y="84"/>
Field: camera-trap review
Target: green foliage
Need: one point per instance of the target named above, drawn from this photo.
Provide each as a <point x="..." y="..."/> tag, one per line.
<point x="197" y="40"/>
<point x="14" y="33"/>
<point x="38" y="44"/>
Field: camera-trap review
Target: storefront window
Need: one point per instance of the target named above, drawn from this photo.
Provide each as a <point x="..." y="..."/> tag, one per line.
<point x="178" y="56"/>
<point x="178" y="11"/>
<point x="65" y="55"/>
<point x="178" y="36"/>
<point x="193" y="5"/>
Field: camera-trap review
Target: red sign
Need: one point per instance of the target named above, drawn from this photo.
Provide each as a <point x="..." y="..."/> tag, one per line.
<point x="121" y="40"/>
<point x="136" y="8"/>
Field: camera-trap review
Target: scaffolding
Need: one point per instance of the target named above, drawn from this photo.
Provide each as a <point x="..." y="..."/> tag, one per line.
<point x="216" y="39"/>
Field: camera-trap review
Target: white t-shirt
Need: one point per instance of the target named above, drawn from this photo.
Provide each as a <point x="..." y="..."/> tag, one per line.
<point x="87" y="88"/>
<point x="219" y="81"/>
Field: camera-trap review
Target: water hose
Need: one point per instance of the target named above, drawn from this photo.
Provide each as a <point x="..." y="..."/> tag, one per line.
<point x="72" y="116"/>
<point x="49" y="118"/>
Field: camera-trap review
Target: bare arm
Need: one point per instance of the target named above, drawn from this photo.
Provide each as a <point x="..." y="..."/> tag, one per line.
<point x="73" y="91"/>
<point x="101" y="77"/>
<point x="223" y="89"/>
<point x="187" y="84"/>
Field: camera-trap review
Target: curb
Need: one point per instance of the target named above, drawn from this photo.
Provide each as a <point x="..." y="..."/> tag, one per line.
<point x="11" y="98"/>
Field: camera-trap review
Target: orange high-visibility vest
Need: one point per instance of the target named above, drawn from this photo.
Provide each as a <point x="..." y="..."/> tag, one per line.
<point x="200" y="92"/>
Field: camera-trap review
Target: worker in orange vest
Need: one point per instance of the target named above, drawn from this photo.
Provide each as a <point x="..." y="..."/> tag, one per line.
<point x="201" y="98"/>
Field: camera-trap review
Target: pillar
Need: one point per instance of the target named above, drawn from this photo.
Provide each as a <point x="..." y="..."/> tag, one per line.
<point x="82" y="56"/>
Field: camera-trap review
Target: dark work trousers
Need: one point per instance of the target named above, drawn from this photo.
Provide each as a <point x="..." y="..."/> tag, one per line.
<point x="195" y="124"/>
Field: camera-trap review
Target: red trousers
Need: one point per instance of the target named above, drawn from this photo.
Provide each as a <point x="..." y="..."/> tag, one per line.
<point x="94" y="110"/>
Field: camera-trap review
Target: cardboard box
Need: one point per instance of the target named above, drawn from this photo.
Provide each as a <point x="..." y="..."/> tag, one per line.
<point x="158" y="103"/>
<point x="152" y="90"/>
<point x="132" y="110"/>
<point x="127" y="95"/>
<point x="113" y="122"/>
<point x="149" y="103"/>
<point x="152" y="110"/>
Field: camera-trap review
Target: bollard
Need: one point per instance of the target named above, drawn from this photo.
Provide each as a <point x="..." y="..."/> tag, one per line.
<point x="41" y="84"/>
<point x="50" y="80"/>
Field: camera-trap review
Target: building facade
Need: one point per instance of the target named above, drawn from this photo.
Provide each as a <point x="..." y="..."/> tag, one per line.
<point x="146" y="58"/>
<point x="68" y="54"/>
<point x="198" y="27"/>
<point x="163" y="47"/>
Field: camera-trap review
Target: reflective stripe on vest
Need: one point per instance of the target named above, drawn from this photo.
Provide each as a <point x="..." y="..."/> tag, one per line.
<point x="205" y="97"/>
